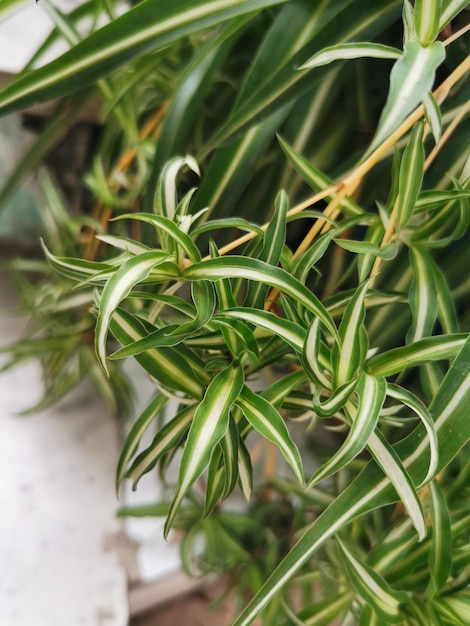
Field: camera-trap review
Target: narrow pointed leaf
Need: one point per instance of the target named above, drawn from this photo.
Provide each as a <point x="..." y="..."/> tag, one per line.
<point x="433" y="116"/>
<point x="253" y="269"/>
<point x="411" y="176"/>
<point x="166" y="439"/>
<point x="266" y="420"/>
<point x="371" y="395"/>
<point x="427" y="14"/>
<point x="136" y="433"/>
<point x="345" y="51"/>
<point x="134" y="271"/>
<point x="208" y="427"/>
<point x="373" y="588"/>
<point x="415" y="404"/>
<point x="336" y="401"/>
<point x="422" y="296"/>
<point x="440" y="554"/>
<point x="350" y="354"/>
<point x="429" y="349"/>
<point x="411" y="79"/>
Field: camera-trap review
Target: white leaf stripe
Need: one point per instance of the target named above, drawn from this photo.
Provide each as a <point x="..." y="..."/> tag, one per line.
<point x="178" y="373"/>
<point x="291" y="333"/>
<point x="371" y="395"/>
<point x="428" y="349"/>
<point x="371" y="586"/>
<point x="253" y="269"/>
<point x="135" y="434"/>
<point x="411" y="79"/>
<point x="153" y="24"/>
<point x="118" y="286"/>
<point x="265" y="419"/>
<point x="415" y="404"/>
<point x="311" y="356"/>
<point x="433" y="116"/>
<point x="164" y="440"/>
<point x="209" y="425"/>
<point x="349" y="331"/>
<point x="423" y="297"/>
<point x="347" y="51"/>
<point x="426" y="18"/>
<point x="411" y="176"/>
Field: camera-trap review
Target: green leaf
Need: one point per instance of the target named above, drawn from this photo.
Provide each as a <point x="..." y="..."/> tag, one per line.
<point x="274" y="240"/>
<point x="371" y="395"/>
<point x="433" y="116"/>
<point x="411" y="79"/>
<point x="136" y="433"/>
<point x="229" y="445"/>
<point x="311" y="357"/>
<point x="266" y="420"/>
<point x="426" y="19"/>
<point x="345" y="51"/>
<point x="415" y="404"/>
<point x="349" y="355"/>
<point x="373" y="588"/>
<point x="336" y="401"/>
<point x="150" y="25"/>
<point x="134" y="271"/>
<point x="166" y="439"/>
<point x="215" y="482"/>
<point x="166" y="226"/>
<point x="451" y="8"/>
<point x="422" y="296"/>
<point x="208" y="427"/>
<point x="245" y="470"/>
<point x="429" y="349"/>
<point x="387" y="252"/>
<point x="253" y="269"/>
<point x="323" y="613"/>
<point x="411" y="176"/>
<point x="176" y="368"/>
<point x="440" y="554"/>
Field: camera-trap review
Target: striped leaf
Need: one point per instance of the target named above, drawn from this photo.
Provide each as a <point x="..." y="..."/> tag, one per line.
<point x="208" y="427"/>
<point x="134" y="271"/>
<point x="166" y="439"/>
<point x="411" y="176"/>
<point x="451" y="8"/>
<point x="264" y="418"/>
<point x="245" y="470"/>
<point x="169" y="228"/>
<point x="136" y="433"/>
<point x="349" y="355"/>
<point x="411" y="79"/>
<point x="415" y="404"/>
<point x="345" y="51"/>
<point x="323" y="613"/>
<point x="440" y="554"/>
<point x="306" y="261"/>
<point x="312" y="363"/>
<point x="215" y="482"/>
<point x="253" y="269"/>
<point x="166" y="197"/>
<point x="150" y="25"/>
<point x="373" y="588"/>
<point x="433" y="116"/>
<point x="371" y="395"/>
<point x="336" y="401"/>
<point x="291" y="333"/>
<point x="387" y="252"/>
<point x="229" y="445"/>
<point x="370" y="489"/>
<point x="430" y="349"/>
<point x="124" y="243"/>
<point x="204" y="298"/>
<point x="422" y="296"/>
<point x="175" y="368"/>
<point x="76" y="269"/>
<point x="427" y="14"/>
<point x="274" y="240"/>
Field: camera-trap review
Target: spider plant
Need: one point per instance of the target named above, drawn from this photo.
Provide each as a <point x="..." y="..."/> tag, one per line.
<point x="294" y="287"/>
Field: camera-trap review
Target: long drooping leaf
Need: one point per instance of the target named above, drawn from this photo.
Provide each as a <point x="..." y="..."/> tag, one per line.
<point x="411" y="79"/>
<point x="135" y="270"/>
<point x="166" y="438"/>
<point x="440" y="554"/>
<point x="422" y="296"/>
<point x="371" y="395"/>
<point x="373" y="588"/>
<point x="345" y="51"/>
<point x="411" y="176"/>
<point x="429" y="349"/>
<point x="208" y="427"/>
<point x="135" y="434"/>
<point x="371" y="489"/>
<point x="175" y="368"/>
<point x="253" y="269"/>
<point x="149" y="26"/>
